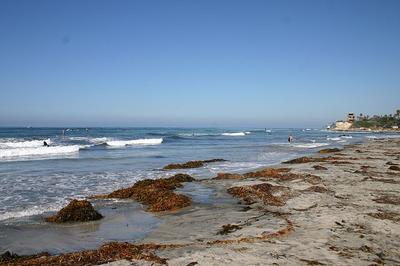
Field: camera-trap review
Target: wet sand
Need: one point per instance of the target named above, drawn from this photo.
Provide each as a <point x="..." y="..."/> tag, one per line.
<point x="345" y="212"/>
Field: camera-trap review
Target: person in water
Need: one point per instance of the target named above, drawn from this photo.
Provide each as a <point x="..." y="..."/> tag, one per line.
<point x="45" y="144"/>
<point x="290" y="139"/>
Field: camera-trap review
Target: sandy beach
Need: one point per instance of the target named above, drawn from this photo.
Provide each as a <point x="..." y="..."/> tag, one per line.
<point x="338" y="207"/>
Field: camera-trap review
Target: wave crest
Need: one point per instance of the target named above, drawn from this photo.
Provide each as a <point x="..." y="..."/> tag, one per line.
<point x="122" y="143"/>
<point x="23" y="144"/>
<point x="52" y="150"/>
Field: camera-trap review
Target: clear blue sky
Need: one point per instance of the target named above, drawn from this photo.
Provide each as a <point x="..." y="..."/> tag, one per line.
<point x="197" y="63"/>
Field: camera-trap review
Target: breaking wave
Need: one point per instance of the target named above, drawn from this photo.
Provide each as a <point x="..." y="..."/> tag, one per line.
<point x="52" y="150"/>
<point x="122" y="143"/>
<point x="13" y="144"/>
<point x="235" y="134"/>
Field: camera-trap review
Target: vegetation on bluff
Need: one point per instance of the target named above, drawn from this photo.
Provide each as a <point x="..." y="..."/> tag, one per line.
<point x="378" y="121"/>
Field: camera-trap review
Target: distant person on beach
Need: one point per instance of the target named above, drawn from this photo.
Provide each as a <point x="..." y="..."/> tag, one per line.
<point x="45" y="144"/>
<point x="290" y="139"/>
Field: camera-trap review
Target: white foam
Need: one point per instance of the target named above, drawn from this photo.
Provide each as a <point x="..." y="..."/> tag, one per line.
<point x="23" y="144"/>
<point x="122" y="143"/>
<point x="337" y="138"/>
<point x="234" y="134"/>
<point x="247" y="132"/>
<point x="20" y="152"/>
<point x="309" y="145"/>
<point x="346" y="137"/>
<point x="99" y="140"/>
<point x="35" y="210"/>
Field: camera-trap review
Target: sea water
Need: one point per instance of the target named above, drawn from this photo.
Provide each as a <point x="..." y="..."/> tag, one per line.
<point x="36" y="180"/>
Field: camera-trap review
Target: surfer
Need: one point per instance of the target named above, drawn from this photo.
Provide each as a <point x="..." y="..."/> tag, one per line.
<point x="45" y="144"/>
<point x="290" y="139"/>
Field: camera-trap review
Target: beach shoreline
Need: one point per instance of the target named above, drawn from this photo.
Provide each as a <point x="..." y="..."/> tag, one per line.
<point x="345" y="211"/>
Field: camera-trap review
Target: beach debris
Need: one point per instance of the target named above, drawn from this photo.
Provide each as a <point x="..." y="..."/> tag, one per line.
<point x="157" y="194"/>
<point x="394" y="168"/>
<point x="319" y="167"/>
<point x="76" y="211"/>
<point x="332" y="150"/>
<point x="306" y="159"/>
<point x="228" y="176"/>
<point x="267" y="193"/>
<point x="385" y="215"/>
<point x="318" y="189"/>
<point x="106" y="253"/>
<point x="268" y="172"/>
<point x="312" y="262"/>
<point x="191" y="164"/>
<point x="229" y="228"/>
<point x="388" y="199"/>
<point x="282" y="174"/>
<point x="9" y="257"/>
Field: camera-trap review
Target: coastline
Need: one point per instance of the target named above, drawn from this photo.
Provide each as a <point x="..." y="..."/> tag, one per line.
<point x="366" y="130"/>
<point x="346" y="214"/>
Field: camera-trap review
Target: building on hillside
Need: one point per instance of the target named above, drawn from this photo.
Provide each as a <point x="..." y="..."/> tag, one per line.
<point x="350" y="117"/>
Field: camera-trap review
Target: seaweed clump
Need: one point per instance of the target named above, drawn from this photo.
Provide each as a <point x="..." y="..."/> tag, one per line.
<point x="191" y="164"/>
<point x="319" y="167"/>
<point x="76" y="211"/>
<point x="267" y="193"/>
<point x="388" y="199"/>
<point x="228" y="176"/>
<point x="157" y="194"/>
<point x="229" y="228"/>
<point x="332" y="150"/>
<point x="9" y="258"/>
<point x="268" y="172"/>
<point x="106" y="253"/>
<point x="306" y="159"/>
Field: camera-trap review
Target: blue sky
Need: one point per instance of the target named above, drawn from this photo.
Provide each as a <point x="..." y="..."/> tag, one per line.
<point x="197" y="63"/>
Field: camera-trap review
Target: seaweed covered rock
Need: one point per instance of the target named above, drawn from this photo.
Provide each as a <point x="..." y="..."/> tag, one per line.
<point x="76" y="211"/>
<point x="157" y="194"/>
<point x="191" y="164"/>
<point x="332" y="150"/>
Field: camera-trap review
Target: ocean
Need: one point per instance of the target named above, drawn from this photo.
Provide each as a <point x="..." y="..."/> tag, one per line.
<point x="36" y="180"/>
